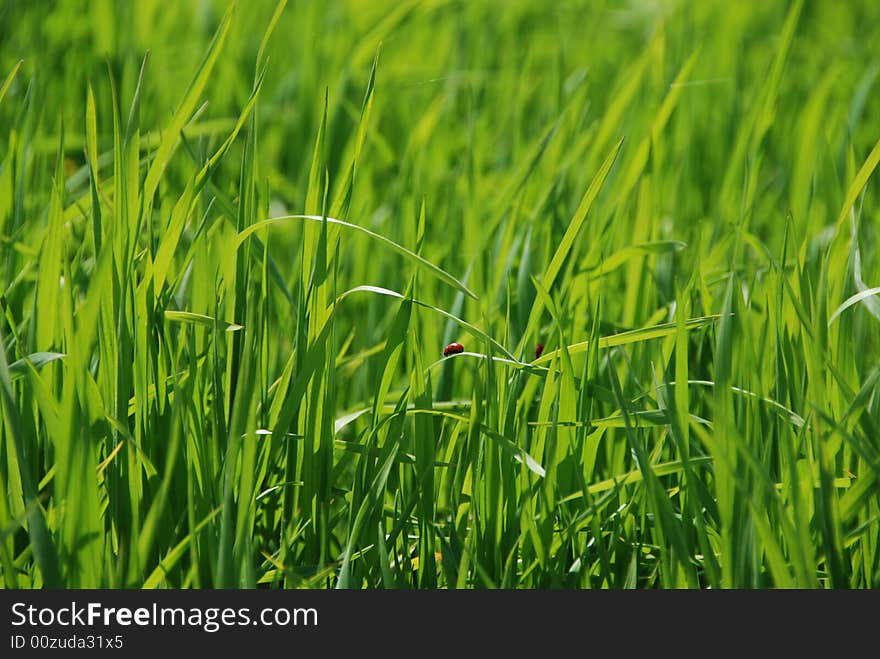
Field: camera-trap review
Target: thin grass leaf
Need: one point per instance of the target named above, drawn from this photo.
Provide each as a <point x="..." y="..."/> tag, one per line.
<point x="414" y="258"/>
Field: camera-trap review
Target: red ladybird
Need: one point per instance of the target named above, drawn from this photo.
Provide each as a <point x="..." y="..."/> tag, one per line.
<point x="539" y="349"/>
<point x="453" y="349"/>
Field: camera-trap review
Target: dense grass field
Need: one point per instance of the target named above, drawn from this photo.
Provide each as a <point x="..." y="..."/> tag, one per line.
<point x="235" y="241"/>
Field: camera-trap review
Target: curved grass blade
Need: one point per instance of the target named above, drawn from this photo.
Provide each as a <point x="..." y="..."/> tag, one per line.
<point x="8" y="82"/>
<point x="531" y="368"/>
<point x="19" y="368"/>
<point x="439" y="273"/>
<point x="853" y="300"/>
<point x="171" y="558"/>
<point x="518" y="454"/>
<point x="171" y="136"/>
<point x="42" y="543"/>
<point x="859" y="182"/>
<point x="638" y="419"/>
<point x="623" y="255"/>
<point x="201" y="319"/>
<point x="790" y="415"/>
<point x="635" y="476"/>
<point x="372" y="499"/>
<point x="571" y="233"/>
<point x="475" y="331"/>
<point x="632" y="336"/>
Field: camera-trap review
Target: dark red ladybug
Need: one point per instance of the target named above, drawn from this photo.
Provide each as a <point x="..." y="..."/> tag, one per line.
<point x="539" y="349"/>
<point x="453" y="349"/>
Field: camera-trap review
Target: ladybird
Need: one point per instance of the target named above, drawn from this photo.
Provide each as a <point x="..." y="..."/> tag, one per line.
<point x="539" y="349"/>
<point x="453" y="349"/>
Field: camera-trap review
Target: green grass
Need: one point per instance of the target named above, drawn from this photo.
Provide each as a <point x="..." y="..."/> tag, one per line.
<point x="235" y="241"/>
